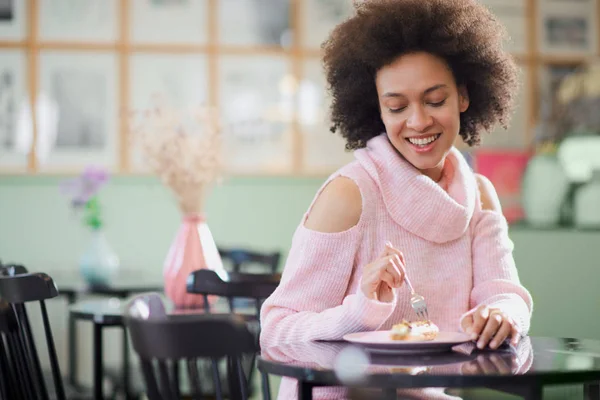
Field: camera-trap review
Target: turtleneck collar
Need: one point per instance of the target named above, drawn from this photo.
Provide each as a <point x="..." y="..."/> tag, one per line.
<point x="415" y="201"/>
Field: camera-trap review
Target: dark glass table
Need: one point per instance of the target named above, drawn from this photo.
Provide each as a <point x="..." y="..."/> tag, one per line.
<point x="523" y="371"/>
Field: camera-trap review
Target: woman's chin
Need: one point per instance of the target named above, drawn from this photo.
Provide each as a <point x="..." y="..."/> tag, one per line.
<point x="426" y="161"/>
<point x="422" y="164"/>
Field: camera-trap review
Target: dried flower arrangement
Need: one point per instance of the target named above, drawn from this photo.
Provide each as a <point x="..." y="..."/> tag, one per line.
<point x="183" y="148"/>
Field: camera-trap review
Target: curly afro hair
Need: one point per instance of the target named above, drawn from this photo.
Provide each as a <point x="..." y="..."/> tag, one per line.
<point x="462" y="32"/>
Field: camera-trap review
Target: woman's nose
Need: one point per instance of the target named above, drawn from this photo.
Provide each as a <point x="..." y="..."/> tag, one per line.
<point x="419" y="120"/>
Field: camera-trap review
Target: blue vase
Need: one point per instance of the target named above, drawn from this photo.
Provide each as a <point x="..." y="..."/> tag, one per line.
<point x="99" y="264"/>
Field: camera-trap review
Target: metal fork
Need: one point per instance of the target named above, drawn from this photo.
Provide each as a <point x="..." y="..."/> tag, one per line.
<point x="417" y="301"/>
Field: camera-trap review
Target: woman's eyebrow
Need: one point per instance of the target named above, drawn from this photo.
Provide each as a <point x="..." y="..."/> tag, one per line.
<point x="428" y="90"/>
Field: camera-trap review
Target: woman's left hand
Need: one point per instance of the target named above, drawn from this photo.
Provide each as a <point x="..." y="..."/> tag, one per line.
<point x="490" y="326"/>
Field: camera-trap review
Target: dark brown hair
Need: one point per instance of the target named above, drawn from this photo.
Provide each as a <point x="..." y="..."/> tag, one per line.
<point x="462" y="32"/>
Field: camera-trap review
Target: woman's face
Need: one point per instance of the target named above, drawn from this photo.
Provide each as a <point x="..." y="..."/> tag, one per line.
<point x="420" y="107"/>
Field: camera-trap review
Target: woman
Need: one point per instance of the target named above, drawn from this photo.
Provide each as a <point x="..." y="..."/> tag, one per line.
<point x="406" y="78"/>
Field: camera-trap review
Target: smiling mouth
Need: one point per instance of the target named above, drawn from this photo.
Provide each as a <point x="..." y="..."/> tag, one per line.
<point x="422" y="142"/>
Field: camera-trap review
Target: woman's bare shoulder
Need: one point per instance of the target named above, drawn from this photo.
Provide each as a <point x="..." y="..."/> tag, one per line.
<point x="337" y="208"/>
<point x="487" y="194"/>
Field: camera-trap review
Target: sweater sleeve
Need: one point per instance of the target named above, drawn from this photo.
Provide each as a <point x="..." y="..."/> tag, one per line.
<point x="311" y="302"/>
<point x="495" y="277"/>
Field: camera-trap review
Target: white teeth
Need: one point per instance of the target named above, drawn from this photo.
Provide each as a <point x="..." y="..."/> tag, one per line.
<point x="423" y="142"/>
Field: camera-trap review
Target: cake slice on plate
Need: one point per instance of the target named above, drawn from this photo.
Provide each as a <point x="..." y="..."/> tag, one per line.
<point x="419" y="330"/>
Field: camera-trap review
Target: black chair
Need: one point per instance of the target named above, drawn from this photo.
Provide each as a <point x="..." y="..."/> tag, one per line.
<point x="233" y="286"/>
<point x="12" y="269"/>
<point x="240" y="258"/>
<point x="16" y="381"/>
<point x="16" y="291"/>
<point x="163" y="343"/>
<point x="72" y="389"/>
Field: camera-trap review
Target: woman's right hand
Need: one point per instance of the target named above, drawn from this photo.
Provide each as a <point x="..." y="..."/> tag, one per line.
<point x="383" y="275"/>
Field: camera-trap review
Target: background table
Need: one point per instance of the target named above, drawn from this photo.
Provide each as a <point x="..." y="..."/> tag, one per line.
<point x="122" y="288"/>
<point x="105" y="313"/>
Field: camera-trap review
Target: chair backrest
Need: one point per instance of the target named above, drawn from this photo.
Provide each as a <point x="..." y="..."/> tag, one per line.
<point x="162" y="343"/>
<point x="12" y="269"/>
<point x="231" y="285"/>
<point x="240" y="258"/>
<point x="16" y="378"/>
<point x="18" y="290"/>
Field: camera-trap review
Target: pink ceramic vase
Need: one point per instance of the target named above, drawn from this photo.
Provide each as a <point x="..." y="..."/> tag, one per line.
<point x="192" y="249"/>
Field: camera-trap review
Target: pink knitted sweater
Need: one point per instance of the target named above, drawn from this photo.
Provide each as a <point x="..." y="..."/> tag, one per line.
<point x="458" y="256"/>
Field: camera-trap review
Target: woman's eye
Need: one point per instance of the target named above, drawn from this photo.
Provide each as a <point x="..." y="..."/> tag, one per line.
<point x="438" y="104"/>
<point x="396" y="110"/>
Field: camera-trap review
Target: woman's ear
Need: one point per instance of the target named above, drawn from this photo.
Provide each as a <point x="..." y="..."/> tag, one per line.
<point x="463" y="98"/>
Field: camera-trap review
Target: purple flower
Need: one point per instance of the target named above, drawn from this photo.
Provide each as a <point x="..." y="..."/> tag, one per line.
<point x="85" y="186"/>
<point x="95" y="174"/>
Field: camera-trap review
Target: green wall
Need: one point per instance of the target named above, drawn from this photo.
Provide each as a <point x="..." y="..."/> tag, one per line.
<point x="37" y="228"/>
<point x="40" y="230"/>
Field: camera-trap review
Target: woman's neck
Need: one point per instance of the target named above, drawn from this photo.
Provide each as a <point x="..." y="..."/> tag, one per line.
<point x="434" y="173"/>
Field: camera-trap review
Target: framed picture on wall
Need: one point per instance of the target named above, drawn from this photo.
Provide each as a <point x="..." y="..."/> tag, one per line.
<point x="322" y="151"/>
<point x="550" y="124"/>
<point x="78" y="21"/>
<point x="552" y="74"/>
<point x="513" y="15"/>
<point x="13" y="15"/>
<point x="567" y="27"/>
<point x="16" y="134"/>
<point x="319" y="17"/>
<point x="169" y="21"/>
<point x="79" y="91"/>
<point x="255" y="23"/>
<point x="256" y="100"/>
<point x="516" y="136"/>
<point x="179" y="81"/>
